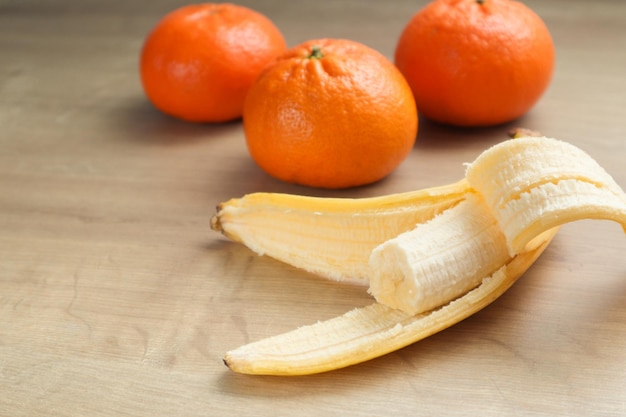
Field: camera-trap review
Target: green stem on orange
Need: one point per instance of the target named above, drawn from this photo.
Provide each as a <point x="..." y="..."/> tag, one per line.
<point x="316" y="52"/>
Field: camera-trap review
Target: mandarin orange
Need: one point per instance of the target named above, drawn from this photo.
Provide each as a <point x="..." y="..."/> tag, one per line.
<point x="330" y="113"/>
<point x="199" y="61"/>
<point x="476" y="62"/>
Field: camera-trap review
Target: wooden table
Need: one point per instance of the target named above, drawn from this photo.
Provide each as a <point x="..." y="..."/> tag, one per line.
<point x="116" y="299"/>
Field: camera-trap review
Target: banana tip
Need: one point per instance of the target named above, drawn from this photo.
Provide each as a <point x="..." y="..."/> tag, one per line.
<point x="520" y="132"/>
<point x="216" y="224"/>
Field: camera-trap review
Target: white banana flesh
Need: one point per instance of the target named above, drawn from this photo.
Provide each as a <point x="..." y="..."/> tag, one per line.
<point x="429" y="270"/>
<point x="529" y="185"/>
<point x="439" y="260"/>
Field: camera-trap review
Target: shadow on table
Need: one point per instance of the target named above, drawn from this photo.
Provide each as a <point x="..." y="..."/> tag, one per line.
<point x="432" y="135"/>
<point x="139" y="121"/>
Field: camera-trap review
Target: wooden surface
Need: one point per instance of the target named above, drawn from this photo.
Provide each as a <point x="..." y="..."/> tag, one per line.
<point x="117" y="300"/>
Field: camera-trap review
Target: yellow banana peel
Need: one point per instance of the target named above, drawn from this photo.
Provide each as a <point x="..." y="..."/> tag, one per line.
<point x="430" y="257"/>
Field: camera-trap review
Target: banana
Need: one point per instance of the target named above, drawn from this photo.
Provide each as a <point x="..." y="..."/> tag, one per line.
<point x="445" y="253"/>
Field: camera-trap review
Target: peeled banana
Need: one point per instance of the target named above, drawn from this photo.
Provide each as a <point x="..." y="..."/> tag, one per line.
<point x="431" y="257"/>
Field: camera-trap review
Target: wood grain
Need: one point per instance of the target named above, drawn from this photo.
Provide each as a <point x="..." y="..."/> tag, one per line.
<point x="117" y="300"/>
